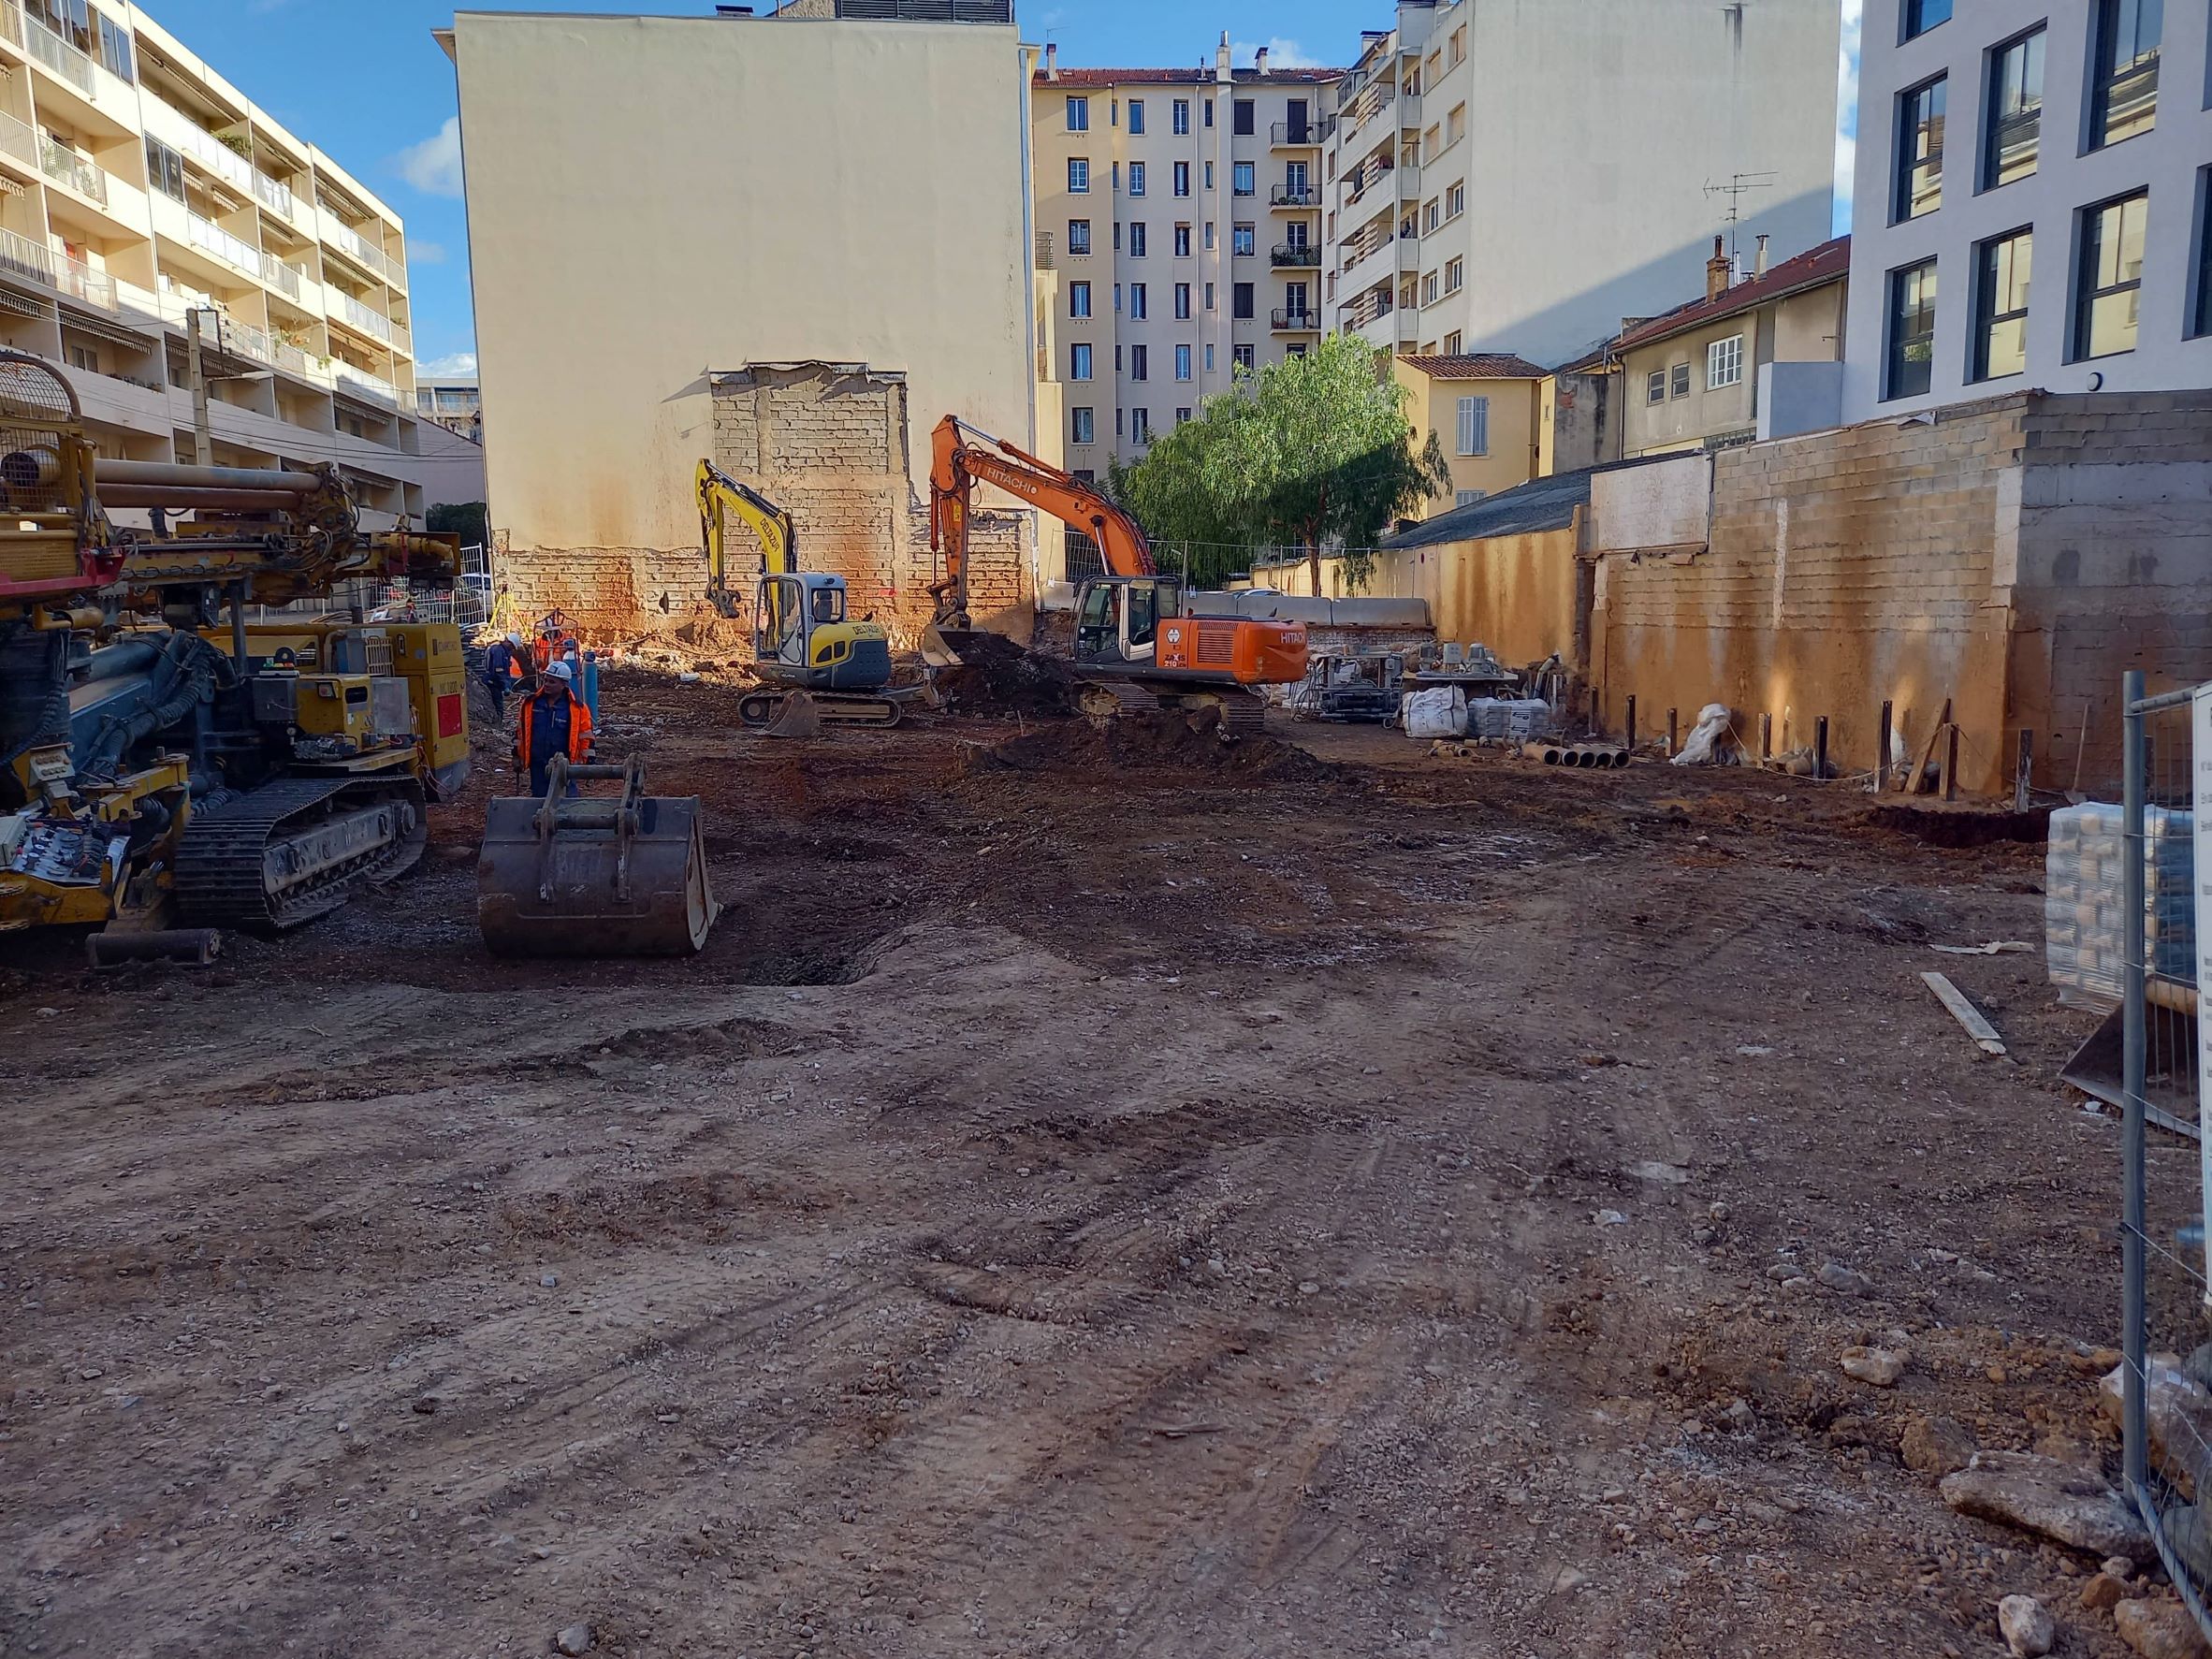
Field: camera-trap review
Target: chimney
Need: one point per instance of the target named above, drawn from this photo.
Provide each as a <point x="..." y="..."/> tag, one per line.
<point x="1760" y="269"/>
<point x="1717" y="271"/>
<point x="1222" y="74"/>
<point x="1259" y="61"/>
<point x="1051" y="60"/>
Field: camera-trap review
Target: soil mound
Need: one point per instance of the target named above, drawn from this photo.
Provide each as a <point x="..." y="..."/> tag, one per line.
<point x="996" y="676"/>
<point x="1154" y="742"/>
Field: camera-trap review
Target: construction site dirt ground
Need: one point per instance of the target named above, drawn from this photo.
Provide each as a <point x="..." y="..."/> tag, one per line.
<point x="1092" y="1195"/>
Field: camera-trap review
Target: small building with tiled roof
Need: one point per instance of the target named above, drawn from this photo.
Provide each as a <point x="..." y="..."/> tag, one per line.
<point x="1756" y="358"/>
<point x="1483" y="409"/>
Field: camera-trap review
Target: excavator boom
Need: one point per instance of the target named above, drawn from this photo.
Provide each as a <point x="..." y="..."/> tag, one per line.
<point x="722" y="497"/>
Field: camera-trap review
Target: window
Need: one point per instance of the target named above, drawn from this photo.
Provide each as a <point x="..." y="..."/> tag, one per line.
<point x="1919" y="187"/>
<point x="1923" y="15"/>
<point x="1182" y="242"/>
<point x="1117" y="359"/>
<point x="165" y="169"/>
<point x="1459" y="46"/>
<point x="2000" y="306"/>
<point x="1137" y="240"/>
<point x="1911" y="330"/>
<point x="1136" y="115"/>
<point x="1079" y="361"/>
<point x="1209" y="236"/>
<point x="1079" y="175"/>
<point x="1140" y="424"/>
<point x="1243" y="119"/>
<point x="1183" y="362"/>
<point x="1455" y="275"/>
<point x="1455" y="125"/>
<point x="1183" y="302"/>
<point x="1474" y="426"/>
<point x="1295" y="178"/>
<point x="1139" y="307"/>
<point x="1136" y="178"/>
<point x="1243" y="178"/>
<point x="1245" y="243"/>
<point x="1117" y="177"/>
<point x="1084" y="476"/>
<point x="1078" y="236"/>
<point x="1295" y="303"/>
<point x="1209" y="301"/>
<point x="1117" y="300"/>
<point x="2124" y="70"/>
<point x="1079" y="299"/>
<point x="115" y="49"/>
<point x="2109" y="285"/>
<point x="2013" y="129"/>
<point x="1209" y="175"/>
<point x="1679" y="380"/>
<point x="1209" y="353"/>
<point x="1297" y="235"/>
<point x="1432" y="214"/>
<point x="1724" y="363"/>
<point x="1241" y="357"/>
<point x="1139" y="363"/>
<point x="1183" y="415"/>
<point x="1117" y="235"/>
<point x="1466" y="498"/>
<point x="1182" y="117"/>
<point x="1240" y="301"/>
<point x="1082" y="424"/>
<point x="1079" y="115"/>
<point x="2201" y="322"/>
<point x="1429" y="290"/>
<point x="1455" y="200"/>
<point x="1451" y="343"/>
<point x="85" y="357"/>
<point x="1183" y="177"/>
<point x="1209" y="113"/>
<point x="1655" y="386"/>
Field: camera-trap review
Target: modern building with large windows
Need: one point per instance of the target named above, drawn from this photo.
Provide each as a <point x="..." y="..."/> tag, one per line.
<point x="2032" y="200"/>
<point x="138" y="188"/>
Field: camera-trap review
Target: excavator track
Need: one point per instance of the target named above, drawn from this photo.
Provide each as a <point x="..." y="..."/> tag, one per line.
<point x="337" y="835"/>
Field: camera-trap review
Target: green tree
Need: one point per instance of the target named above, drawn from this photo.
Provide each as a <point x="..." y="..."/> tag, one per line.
<point x="472" y="520"/>
<point x="1312" y="450"/>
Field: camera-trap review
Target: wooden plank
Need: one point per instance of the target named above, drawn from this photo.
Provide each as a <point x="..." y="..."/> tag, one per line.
<point x="1966" y="1013"/>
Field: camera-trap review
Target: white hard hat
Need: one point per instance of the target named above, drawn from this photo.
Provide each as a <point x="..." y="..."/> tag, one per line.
<point x="513" y="639"/>
<point x="561" y="671"/>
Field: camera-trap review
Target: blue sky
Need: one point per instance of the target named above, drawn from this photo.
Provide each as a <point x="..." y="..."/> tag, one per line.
<point x="363" y="79"/>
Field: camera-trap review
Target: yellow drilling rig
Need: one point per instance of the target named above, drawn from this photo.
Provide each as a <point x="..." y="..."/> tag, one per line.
<point x="166" y="769"/>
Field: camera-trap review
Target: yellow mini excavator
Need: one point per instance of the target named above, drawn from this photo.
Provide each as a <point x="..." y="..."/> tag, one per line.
<point x="803" y="641"/>
<point x="159" y="769"/>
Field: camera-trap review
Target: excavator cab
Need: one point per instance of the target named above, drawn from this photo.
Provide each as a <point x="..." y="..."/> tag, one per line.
<point x="802" y="639"/>
<point x="1118" y="618"/>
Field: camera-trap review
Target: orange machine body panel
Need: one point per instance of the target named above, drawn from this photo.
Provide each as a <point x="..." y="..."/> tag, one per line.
<point x="1251" y="654"/>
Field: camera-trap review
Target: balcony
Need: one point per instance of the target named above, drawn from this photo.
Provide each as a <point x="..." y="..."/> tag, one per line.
<point x="274" y="196"/>
<point x="1295" y="322"/>
<point x="1409" y="183"/>
<point x="81" y="283"/>
<point x="1297" y="257"/>
<point x="11" y="24"/>
<point x="1302" y="134"/>
<point x="211" y="238"/>
<point x="59" y="56"/>
<point x="357" y="316"/>
<point x="1045" y="250"/>
<point x="1294" y="197"/>
<point x="66" y="166"/>
<point x="284" y="278"/>
<point x="21" y="256"/>
<point x="337" y="234"/>
<point x="227" y="334"/>
<point x="361" y="383"/>
<point x="18" y="140"/>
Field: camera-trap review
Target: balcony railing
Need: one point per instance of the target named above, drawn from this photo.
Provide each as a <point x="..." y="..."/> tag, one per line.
<point x="274" y="196"/>
<point x="11" y="24"/>
<point x="361" y="317"/>
<point x="59" y="56"/>
<point x="24" y="258"/>
<point x="1302" y="134"/>
<point x="1045" y="250"/>
<point x="19" y="138"/>
<point x="66" y="166"/>
<point x="227" y="333"/>
<point x="337" y="234"/>
<point x="1295" y="322"/>
<point x="1294" y="256"/>
<point x="211" y="238"/>
<point x="80" y="282"/>
<point x="361" y="380"/>
<point x="286" y="277"/>
<point x="1290" y="196"/>
<point x="184" y="133"/>
<point x="1409" y="180"/>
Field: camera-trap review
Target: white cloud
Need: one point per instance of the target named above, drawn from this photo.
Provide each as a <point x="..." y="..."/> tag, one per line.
<point x="433" y="167"/>
<point x="1847" y="113"/>
<point x="457" y="363"/>
<point x="420" y="252"/>
<point x="1281" y="53"/>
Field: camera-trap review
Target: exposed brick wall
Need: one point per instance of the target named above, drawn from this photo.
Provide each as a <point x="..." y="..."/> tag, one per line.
<point x="827" y="442"/>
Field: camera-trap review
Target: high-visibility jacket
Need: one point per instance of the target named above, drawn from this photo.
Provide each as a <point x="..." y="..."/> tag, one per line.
<point x="579" y="724"/>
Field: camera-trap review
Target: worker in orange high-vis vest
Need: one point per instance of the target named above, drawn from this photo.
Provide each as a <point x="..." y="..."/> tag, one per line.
<point x="552" y="721"/>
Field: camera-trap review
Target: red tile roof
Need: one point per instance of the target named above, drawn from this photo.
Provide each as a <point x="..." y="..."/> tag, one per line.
<point x="1090" y="78"/>
<point x="1481" y="366"/>
<point x="1828" y="263"/>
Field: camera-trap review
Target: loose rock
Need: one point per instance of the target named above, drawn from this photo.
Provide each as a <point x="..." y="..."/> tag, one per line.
<point x="576" y="1640"/>
<point x="2102" y="1594"/>
<point x="2160" y="1630"/>
<point x="1880" y="1367"/>
<point x="2072" y="1505"/>
<point x="2026" y="1626"/>
<point x="1936" y="1447"/>
<point x="1850" y="1281"/>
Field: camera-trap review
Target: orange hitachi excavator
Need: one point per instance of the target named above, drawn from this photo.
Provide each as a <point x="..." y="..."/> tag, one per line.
<point x="1137" y="646"/>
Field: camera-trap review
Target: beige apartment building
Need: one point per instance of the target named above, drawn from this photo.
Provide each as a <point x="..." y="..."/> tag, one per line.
<point x="1484" y="410"/>
<point x="137" y="187"/>
<point x="1179" y="213"/>
<point x="820" y="211"/>
<point x="1520" y="178"/>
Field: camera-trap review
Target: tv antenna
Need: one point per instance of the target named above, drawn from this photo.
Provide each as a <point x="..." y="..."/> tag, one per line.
<point x="1737" y="186"/>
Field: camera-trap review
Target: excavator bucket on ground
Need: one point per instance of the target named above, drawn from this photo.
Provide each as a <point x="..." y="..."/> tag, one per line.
<point x="619" y="875"/>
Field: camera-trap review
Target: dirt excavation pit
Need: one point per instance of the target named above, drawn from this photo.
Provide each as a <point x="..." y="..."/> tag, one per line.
<point x="1127" y="1195"/>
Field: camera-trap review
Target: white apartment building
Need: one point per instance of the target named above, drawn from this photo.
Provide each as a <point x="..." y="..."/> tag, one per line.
<point x="455" y="401"/>
<point x="138" y="187"/>
<point x="1180" y="211"/>
<point x="1523" y="177"/>
<point x="2032" y="200"/>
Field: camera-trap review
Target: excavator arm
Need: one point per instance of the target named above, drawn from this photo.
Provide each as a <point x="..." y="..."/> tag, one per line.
<point x="722" y="497"/>
<point x="962" y="456"/>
